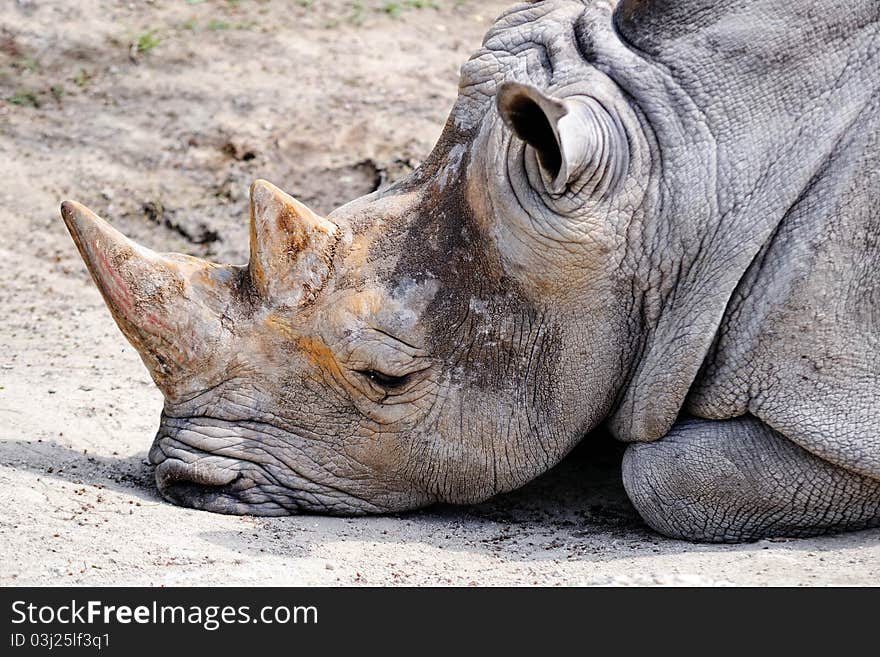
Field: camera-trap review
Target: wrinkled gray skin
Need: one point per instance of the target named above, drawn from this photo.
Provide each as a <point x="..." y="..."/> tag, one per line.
<point x="662" y="216"/>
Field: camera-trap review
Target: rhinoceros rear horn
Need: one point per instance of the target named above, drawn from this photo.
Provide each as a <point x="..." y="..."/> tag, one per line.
<point x="291" y="246"/>
<point x="164" y="304"/>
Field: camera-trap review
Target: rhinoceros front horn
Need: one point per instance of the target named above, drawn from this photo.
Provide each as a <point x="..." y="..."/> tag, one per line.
<point x="167" y="305"/>
<point x="291" y="246"/>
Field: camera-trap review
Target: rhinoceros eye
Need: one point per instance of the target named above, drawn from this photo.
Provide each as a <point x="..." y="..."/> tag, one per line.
<point x="383" y="380"/>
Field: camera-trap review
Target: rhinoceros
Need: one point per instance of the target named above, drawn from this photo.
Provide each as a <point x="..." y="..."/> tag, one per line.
<point x="657" y="216"/>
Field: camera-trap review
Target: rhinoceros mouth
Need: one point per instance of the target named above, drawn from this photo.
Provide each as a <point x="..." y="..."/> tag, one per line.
<point x="213" y="465"/>
<point x="217" y="490"/>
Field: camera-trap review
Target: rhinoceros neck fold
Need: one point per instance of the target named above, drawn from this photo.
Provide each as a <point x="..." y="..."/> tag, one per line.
<point x="744" y="111"/>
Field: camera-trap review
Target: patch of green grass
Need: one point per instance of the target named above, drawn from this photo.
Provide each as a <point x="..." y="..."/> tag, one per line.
<point x="394" y="9"/>
<point x="57" y="92"/>
<point x="190" y="24"/>
<point x="357" y="13"/>
<point x="24" y="99"/>
<point x="359" y="10"/>
<point x="30" y="64"/>
<point x="219" y="26"/>
<point x="83" y="78"/>
<point x="25" y="65"/>
<point x="305" y="3"/>
<point x="147" y="41"/>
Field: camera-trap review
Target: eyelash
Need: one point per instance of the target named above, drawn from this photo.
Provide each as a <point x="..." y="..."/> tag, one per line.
<point x="384" y="380"/>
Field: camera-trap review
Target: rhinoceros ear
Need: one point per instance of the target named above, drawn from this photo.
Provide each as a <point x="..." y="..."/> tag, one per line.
<point x="290" y="245"/>
<point x="565" y="133"/>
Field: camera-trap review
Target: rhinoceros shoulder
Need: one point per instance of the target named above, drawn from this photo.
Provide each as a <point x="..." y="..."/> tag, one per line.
<point x="799" y="345"/>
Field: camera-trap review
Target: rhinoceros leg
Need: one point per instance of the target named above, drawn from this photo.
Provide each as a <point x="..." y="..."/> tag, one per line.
<point x="739" y="480"/>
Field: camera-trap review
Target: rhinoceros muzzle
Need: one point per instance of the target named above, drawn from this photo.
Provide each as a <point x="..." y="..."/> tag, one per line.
<point x="246" y="467"/>
<point x="190" y="475"/>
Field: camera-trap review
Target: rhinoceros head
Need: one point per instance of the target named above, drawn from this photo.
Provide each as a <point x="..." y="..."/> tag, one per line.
<point x="447" y="338"/>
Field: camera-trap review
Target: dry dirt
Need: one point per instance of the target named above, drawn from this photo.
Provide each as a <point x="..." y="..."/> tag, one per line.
<point x="159" y="115"/>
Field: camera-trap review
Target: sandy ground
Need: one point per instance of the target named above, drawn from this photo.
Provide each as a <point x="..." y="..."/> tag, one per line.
<point x="159" y="115"/>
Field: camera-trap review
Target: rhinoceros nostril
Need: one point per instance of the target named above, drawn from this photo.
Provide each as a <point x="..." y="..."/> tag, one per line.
<point x="203" y="473"/>
<point x="198" y="485"/>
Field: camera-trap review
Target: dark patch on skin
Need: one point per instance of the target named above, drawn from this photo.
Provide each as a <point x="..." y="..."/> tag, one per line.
<point x="290" y="225"/>
<point x="585" y="40"/>
<point x="243" y="292"/>
<point x="328" y="258"/>
<point x="507" y="352"/>
<point x="463" y="259"/>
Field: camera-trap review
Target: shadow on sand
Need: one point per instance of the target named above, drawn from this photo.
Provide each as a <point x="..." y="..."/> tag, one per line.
<point x="131" y="475"/>
<point x="578" y="510"/>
